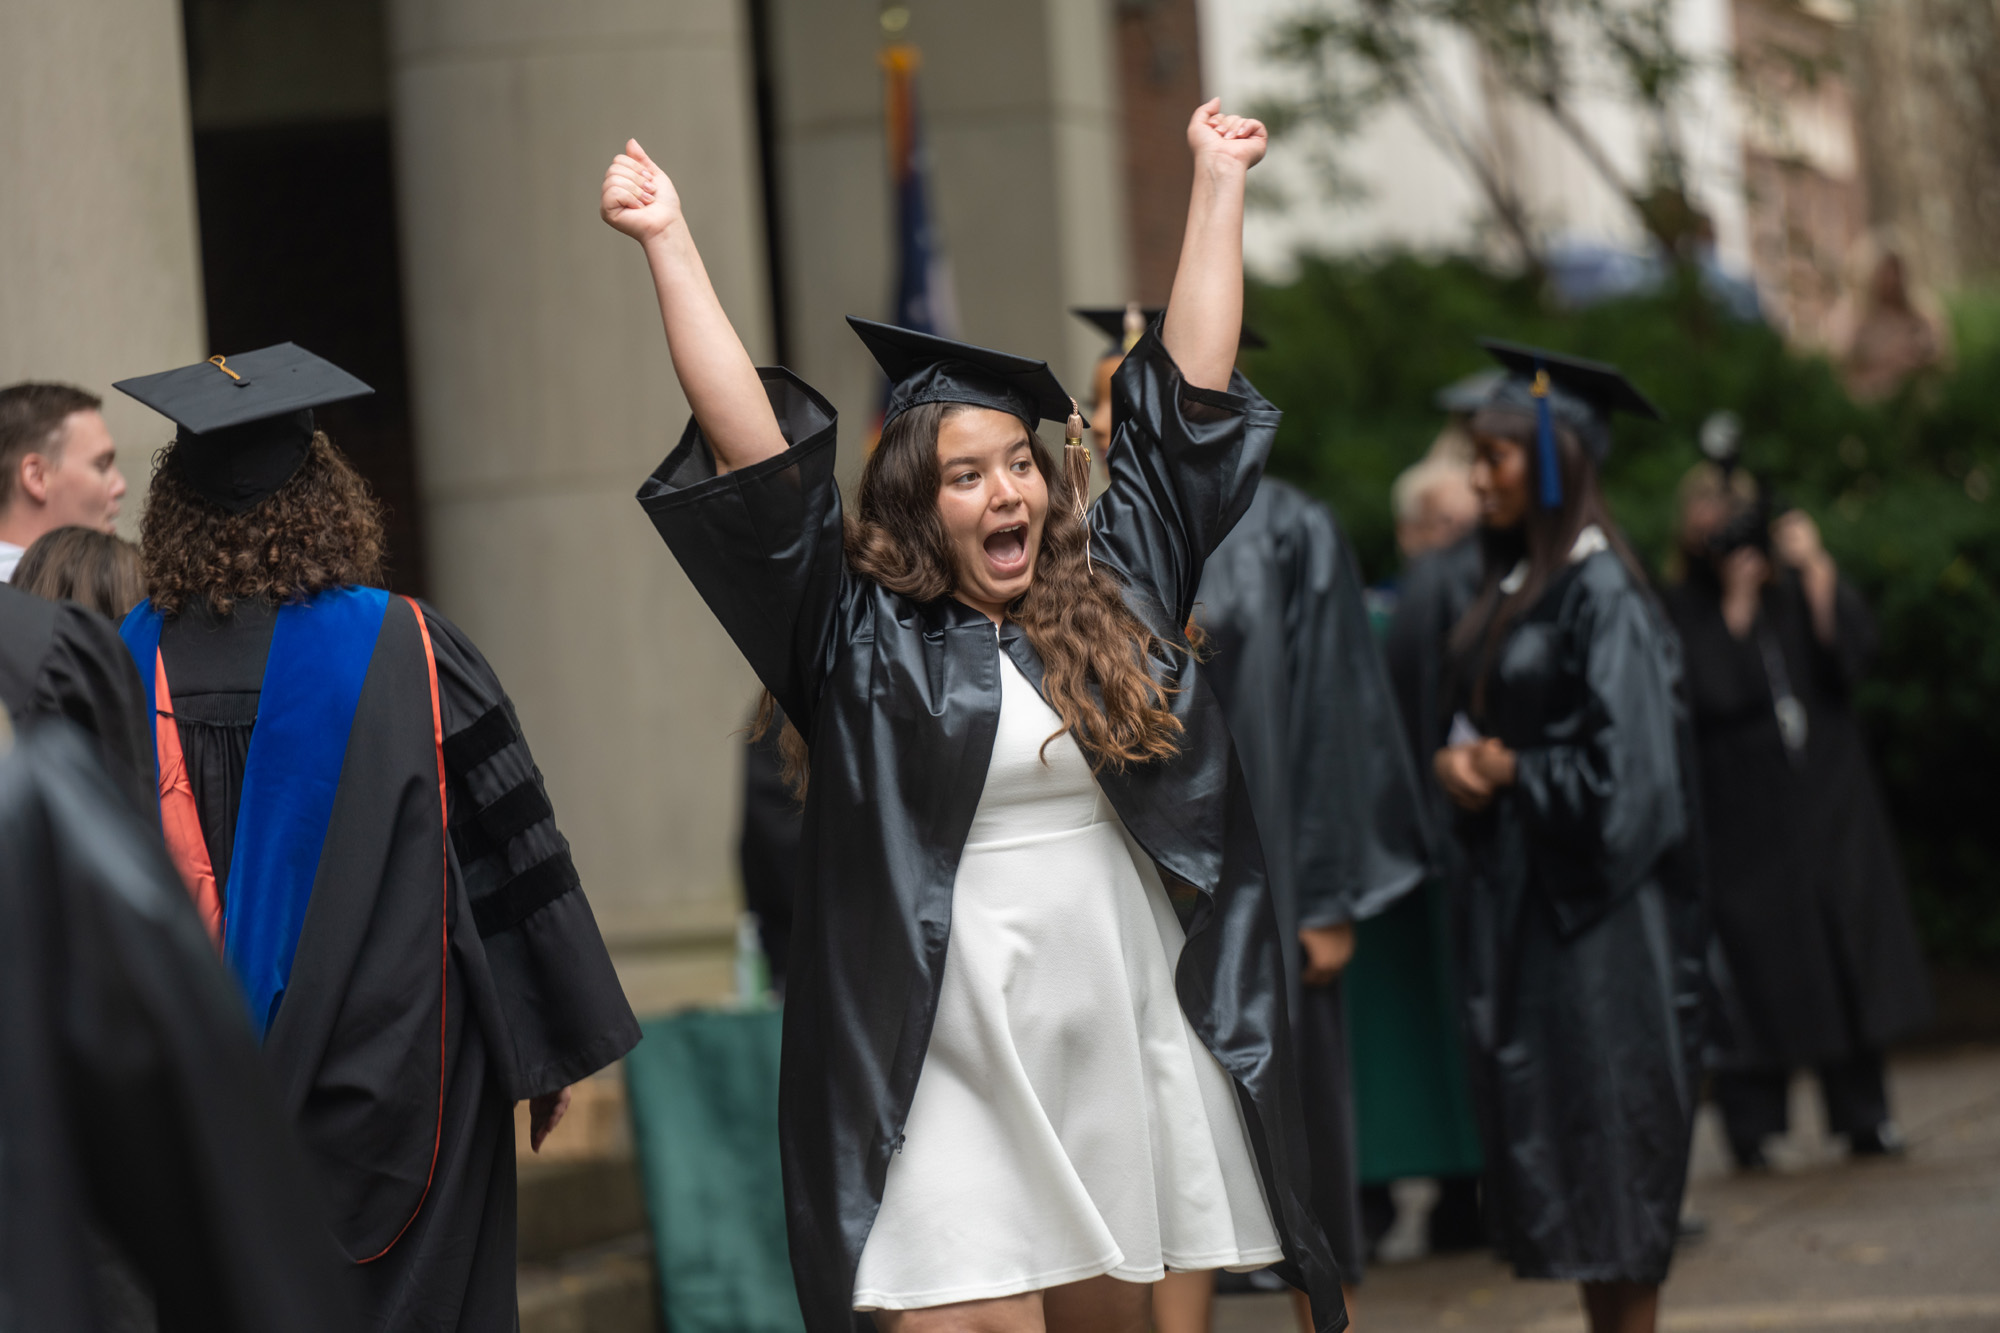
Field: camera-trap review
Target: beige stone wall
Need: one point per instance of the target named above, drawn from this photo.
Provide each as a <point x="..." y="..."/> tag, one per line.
<point x="100" y="273"/>
<point x="543" y="396"/>
<point x="1020" y="107"/>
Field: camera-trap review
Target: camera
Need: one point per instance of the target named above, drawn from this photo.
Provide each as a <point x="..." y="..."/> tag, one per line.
<point x="1749" y="521"/>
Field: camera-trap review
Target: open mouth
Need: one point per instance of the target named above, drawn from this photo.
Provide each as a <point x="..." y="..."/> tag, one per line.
<point x="1007" y="549"/>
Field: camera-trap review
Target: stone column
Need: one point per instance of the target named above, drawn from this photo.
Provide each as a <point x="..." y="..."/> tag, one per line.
<point x="100" y="270"/>
<point x="543" y="396"/>
<point x="1020" y="108"/>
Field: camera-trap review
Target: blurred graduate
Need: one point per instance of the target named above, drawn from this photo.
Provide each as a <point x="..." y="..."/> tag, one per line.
<point x="346" y="791"/>
<point x="1579" y="901"/>
<point x="1291" y="654"/>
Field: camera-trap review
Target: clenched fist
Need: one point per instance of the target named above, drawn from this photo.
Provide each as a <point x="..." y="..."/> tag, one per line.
<point x="638" y="198"/>
<point x="1215" y="137"/>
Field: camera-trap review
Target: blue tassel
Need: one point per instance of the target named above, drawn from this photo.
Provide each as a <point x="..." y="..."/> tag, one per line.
<point x="1547" y="463"/>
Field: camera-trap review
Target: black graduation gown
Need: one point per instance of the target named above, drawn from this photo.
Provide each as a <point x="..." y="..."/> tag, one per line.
<point x="899" y="703"/>
<point x="530" y="1001"/>
<point x="1579" y="918"/>
<point x="58" y="659"/>
<point x="767" y="848"/>
<point x="1807" y="890"/>
<point x="136" y="1119"/>
<point x="1292" y="657"/>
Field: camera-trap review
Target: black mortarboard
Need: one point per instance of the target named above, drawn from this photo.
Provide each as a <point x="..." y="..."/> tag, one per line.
<point x="924" y="368"/>
<point x="246" y="421"/>
<point x="1111" y="319"/>
<point x="1580" y="394"/>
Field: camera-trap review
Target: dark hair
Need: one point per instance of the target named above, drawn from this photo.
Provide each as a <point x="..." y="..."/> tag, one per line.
<point x="78" y="564"/>
<point x="31" y="421"/>
<point x="1544" y="540"/>
<point x="1094" y="651"/>
<point x="322" y="529"/>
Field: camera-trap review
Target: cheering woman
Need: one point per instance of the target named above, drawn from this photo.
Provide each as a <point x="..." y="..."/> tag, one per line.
<point x="1034" y="1051"/>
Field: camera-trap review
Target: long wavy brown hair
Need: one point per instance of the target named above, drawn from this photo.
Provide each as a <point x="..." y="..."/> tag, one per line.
<point x="1093" y="649"/>
<point x="320" y="530"/>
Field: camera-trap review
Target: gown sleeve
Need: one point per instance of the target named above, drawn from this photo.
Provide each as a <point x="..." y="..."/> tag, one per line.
<point x="1601" y="798"/>
<point x="762" y="544"/>
<point x="89" y="678"/>
<point x="560" y="1003"/>
<point x="1184" y="467"/>
<point x="1362" y="843"/>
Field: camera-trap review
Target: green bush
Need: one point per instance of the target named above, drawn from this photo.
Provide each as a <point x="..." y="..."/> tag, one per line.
<point x="1902" y="491"/>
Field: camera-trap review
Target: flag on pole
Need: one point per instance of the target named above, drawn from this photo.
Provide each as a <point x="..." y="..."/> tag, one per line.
<point x="924" y="296"/>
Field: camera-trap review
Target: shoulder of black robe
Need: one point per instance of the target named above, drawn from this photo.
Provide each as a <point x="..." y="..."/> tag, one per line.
<point x="377" y="1015"/>
<point x="899" y="702"/>
<point x="126" y="1062"/>
<point x="1312" y="713"/>
<point x="1586" y="692"/>
<point x="58" y="659"/>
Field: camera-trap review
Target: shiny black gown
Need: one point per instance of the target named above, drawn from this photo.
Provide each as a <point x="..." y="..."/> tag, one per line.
<point x="1579" y="916"/>
<point x="530" y="1001"/>
<point x="139" y="1132"/>
<point x="899" y="702"/>
<point x="1292" y="657"/>
<point x="1808" y="894"/>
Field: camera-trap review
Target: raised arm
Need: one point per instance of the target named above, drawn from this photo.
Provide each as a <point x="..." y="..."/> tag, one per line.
<point x="716" y="374"/>
<point x="1205" y="314"/>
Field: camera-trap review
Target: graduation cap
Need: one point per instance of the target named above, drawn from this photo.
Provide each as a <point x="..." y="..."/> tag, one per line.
<point x="246" y="421"/>
<point x="924" y="368"/>
<point x="1580" y="394"/>
<point x="1116" y="323"/>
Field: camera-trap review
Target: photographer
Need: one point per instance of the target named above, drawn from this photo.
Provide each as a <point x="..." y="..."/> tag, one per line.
<point x="1809" y="907"/>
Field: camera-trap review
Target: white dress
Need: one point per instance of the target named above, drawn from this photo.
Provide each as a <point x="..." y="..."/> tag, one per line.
<point x="1068" y="1122"/>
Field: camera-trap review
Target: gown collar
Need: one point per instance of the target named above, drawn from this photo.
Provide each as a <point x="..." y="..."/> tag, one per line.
<point x="1588" y="543"/>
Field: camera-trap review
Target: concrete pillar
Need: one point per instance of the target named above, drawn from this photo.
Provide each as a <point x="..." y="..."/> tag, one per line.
<point x="1020" y="106"/>
<point x="100" y="271"/>
<point x="543" y="396"/>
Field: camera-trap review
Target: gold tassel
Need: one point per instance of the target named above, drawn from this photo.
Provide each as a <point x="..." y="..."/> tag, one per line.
<point x="1076" y="466"/>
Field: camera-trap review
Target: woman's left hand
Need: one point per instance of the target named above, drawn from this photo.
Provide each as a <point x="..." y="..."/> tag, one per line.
<point x="1215" y="137"/>
<point x="1329" y="949"/>
<point x="1494" y="762"/>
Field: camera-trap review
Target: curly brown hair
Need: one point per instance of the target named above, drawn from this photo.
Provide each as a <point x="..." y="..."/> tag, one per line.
<point x="1094" y="651"/>
<point x="320" y="530"/>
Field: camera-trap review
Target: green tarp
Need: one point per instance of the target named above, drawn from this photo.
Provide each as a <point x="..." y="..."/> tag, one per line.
<point x="704" y="1097"/>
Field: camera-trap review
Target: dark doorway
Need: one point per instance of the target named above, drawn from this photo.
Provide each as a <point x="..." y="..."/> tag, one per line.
<point x="295" y="186"/>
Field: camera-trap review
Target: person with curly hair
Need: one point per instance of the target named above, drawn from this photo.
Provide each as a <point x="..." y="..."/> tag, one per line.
<point x="346" y="791"/>
<point x="1035" y="1052"/>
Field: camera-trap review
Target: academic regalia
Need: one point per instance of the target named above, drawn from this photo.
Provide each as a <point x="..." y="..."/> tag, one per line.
<point x="1822" y="956"/>
<point x="899" y="703"/>
<point x="767" y="847"/>
<point x="1413" y="1109"/>
<point x="148" y="1165"/>
<point x="382" y="870"/>
<point x="1292" y="657"/>
<point x="1578" y="902"/>
<point x="58" y="659"/>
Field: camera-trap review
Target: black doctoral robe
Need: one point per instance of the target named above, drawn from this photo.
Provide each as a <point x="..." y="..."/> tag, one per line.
<point x="1579" y="916"/>
<point x="1292" y="657"/>
<point x="136" y="1119"/>
<point x="58" y="659"/>
<point x="899" y="703"/>
<point x="529" y="1000"/>
<point x="1806" y="886"/>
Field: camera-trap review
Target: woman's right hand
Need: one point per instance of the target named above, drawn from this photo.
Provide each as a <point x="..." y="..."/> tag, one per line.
<point x="638" y="198"/>
<point x="1458" y="771"/>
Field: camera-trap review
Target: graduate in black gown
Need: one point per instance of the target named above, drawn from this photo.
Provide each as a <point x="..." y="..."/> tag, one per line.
<point x="347" y="793"/>
<point x="1293" y="658"/>
<point x="1823" y="961"/>
<point x="1579" y="897"/>
<point x="148" y="1178"/>
<point x="59" y="660"/>
<point x="897" y="696"/>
